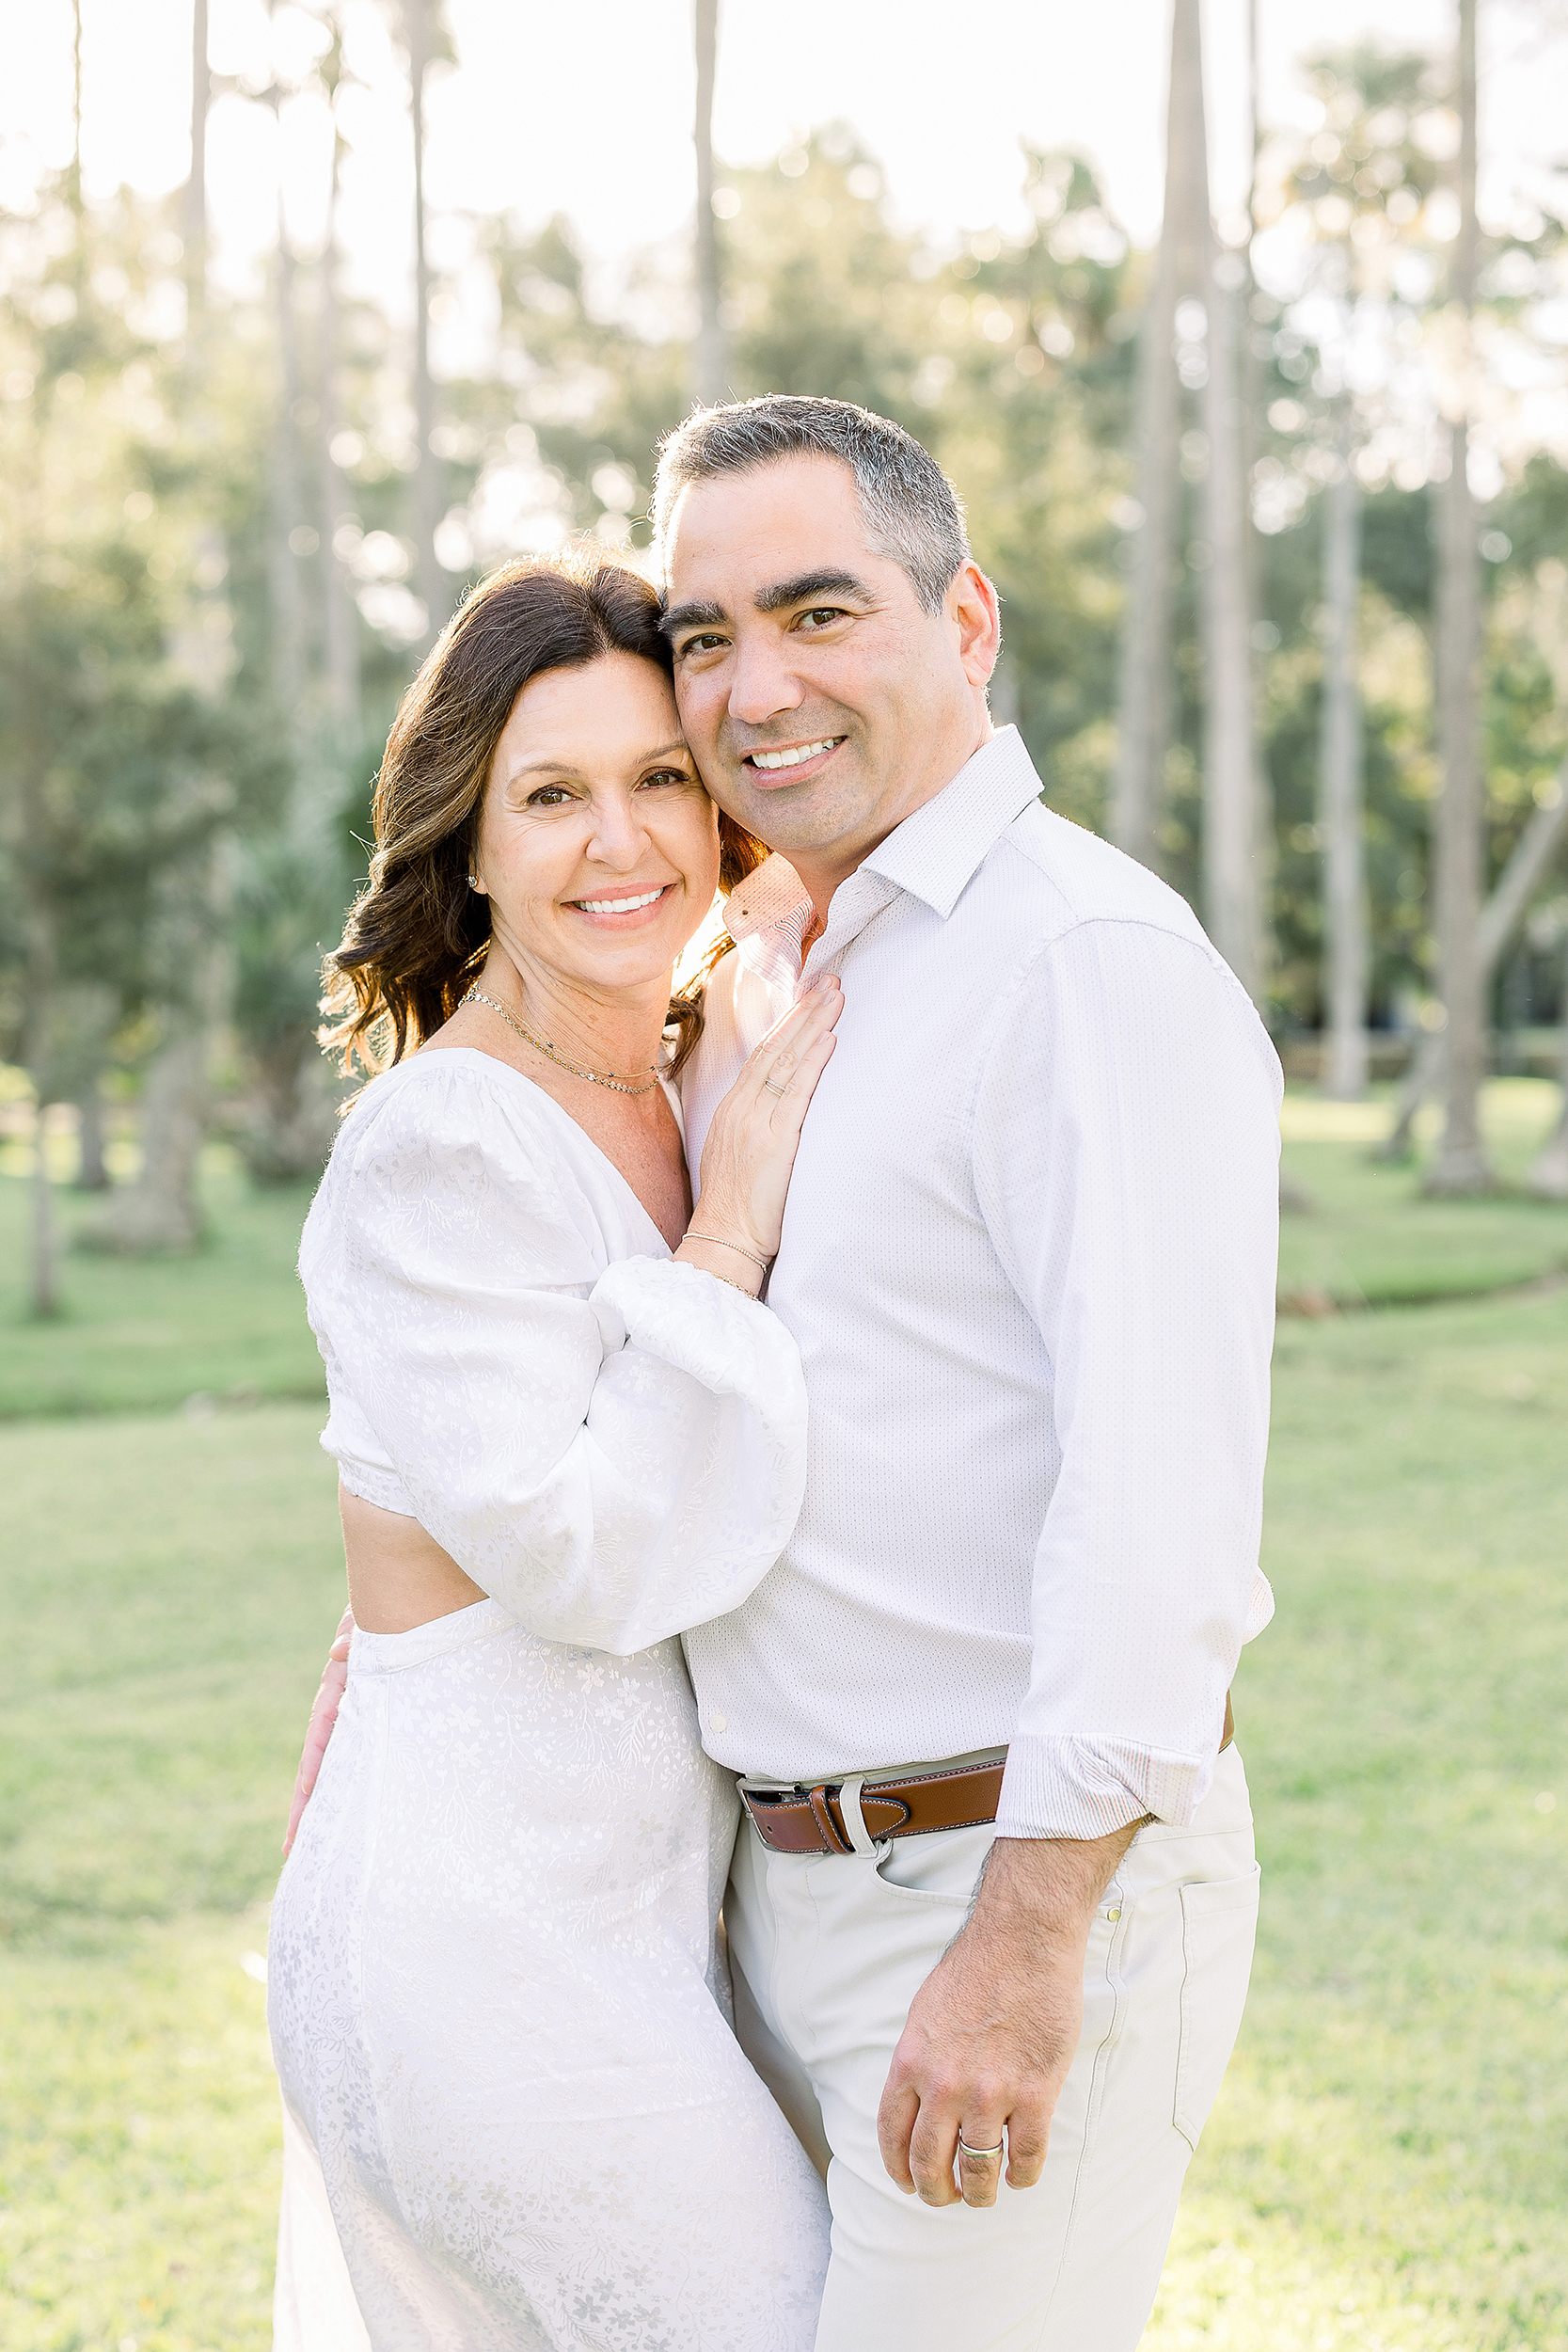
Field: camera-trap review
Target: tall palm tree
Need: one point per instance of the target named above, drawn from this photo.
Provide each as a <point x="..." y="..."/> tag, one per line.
<point x="1548" y="1174"/>
<point x="429" y="486"/>
<point x="709" y="359"/>
<point x="1460" y="1165"/>
<point x="1188" y="265"/>
<point x="158" y="1209"/>
<point x="342" y="626"/>
<point x="1232" y="860"/>
<point x="285" y="511"/>
<point x="1344" y="1075"/>
<point x="1231" y="864"/>
<point x="193" y="206"/>
<point x="1143" y="732"/>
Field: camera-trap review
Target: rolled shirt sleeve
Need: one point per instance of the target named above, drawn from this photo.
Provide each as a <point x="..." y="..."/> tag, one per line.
<point x="612" y="1452"/>
<point x="1126" y="1149"/>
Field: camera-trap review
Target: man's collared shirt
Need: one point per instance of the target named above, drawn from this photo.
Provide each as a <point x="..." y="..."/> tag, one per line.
<point x="1029" y="1259"/>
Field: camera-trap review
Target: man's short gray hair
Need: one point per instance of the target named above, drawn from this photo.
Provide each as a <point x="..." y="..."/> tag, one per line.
<point x="912" y="510"/>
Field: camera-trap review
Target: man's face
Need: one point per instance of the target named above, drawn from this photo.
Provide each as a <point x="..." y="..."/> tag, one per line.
<point x="821" y="702"/>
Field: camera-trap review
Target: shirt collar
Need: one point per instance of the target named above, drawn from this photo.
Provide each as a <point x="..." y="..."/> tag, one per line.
<point x="932" y="855"/>
<point x="937" y="850"/>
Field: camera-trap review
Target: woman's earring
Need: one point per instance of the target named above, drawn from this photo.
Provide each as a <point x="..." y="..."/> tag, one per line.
<point x="473" y="882"/>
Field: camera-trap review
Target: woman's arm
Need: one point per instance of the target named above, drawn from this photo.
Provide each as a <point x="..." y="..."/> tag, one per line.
<point x="323" y="1714"/>
<point x="614" y="1467"/>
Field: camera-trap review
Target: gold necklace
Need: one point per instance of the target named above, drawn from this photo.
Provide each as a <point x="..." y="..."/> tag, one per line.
<point x="595" y="1077"/>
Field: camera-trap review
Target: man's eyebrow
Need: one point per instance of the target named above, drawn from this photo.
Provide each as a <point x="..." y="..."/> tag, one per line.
<point x="694" y="615"/>
<point x="807" y="586"/>
<point x="804" y="589"/>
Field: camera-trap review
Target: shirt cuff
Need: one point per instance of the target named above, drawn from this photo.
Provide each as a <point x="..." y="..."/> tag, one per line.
<point x="1073" y="1787"/>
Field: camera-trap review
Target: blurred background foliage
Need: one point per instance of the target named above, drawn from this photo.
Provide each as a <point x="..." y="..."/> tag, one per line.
<point x="232" y="526"/>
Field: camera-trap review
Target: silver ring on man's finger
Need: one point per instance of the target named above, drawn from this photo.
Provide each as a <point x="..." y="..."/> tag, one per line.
<point x="979" y="2156"/>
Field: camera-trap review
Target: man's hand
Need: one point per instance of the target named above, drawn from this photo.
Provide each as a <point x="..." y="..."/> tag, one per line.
<point x="319" y="1730"/>
<point x="994" y="2028"/>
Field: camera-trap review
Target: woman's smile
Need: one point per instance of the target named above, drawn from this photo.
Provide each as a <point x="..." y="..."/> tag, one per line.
<point x="624" y="909"/>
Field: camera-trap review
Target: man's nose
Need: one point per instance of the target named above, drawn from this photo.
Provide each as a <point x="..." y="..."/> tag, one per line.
<point x="763" y="684"/>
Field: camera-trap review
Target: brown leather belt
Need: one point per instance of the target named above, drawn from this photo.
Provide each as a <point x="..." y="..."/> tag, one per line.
<point x="811" y="1820"/>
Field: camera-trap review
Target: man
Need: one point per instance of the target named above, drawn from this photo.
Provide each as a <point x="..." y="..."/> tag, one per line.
<point x="993" y="1905"/>
<point x="1029" y="1259"/>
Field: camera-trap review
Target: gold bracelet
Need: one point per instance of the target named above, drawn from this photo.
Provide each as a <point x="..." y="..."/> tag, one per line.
<point x="728" y="1283"/>
<point x="713" y="1241"/>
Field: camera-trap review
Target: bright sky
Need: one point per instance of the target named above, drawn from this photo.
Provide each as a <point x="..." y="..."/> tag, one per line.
<point x="588" y="109"/>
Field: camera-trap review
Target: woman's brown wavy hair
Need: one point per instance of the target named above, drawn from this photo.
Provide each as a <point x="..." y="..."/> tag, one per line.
<point x="417" y="934"/>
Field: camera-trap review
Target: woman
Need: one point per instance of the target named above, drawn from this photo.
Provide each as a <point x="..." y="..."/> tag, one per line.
<point x="566" y="1430"/>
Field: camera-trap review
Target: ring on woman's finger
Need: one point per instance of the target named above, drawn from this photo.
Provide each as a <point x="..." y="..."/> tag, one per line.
<point x="770" y="1088"/>
<point x="980" y="2156"/>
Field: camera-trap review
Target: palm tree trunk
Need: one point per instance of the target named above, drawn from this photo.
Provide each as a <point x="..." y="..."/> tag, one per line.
<point x="1548" y="1174"/>
<point x="1502" y="919"/>
<point x="43" y="1287"/>
<point x="193" y="208"/>
<point x="1460" y="1165"/>
<point x="74" y="171"/>
<point x="429" y="488"/>
<point x="1232" y="900"/>
<point x="159" y="1210"/>
<point x="283" y="565"/>
<point x="1344" y="1075"/>
<point x="342" y="620"/>
<point x="1253" y="353"/>
<point x="1231" y="866"/>
<point x="92" y="1170"/>
<point x="710" y="362"/>
<point x="1143" y="735"/>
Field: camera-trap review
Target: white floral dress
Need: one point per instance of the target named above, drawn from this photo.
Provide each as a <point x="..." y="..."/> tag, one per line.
<point x="516" y="2114"/>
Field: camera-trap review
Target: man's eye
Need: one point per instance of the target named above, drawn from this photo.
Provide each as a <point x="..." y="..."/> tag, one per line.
<point x="822" y="616"/>
<point x="706" y="643"/>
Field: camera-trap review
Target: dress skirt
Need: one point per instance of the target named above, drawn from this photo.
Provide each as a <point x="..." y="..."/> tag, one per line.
<point x="502" y="2025"/>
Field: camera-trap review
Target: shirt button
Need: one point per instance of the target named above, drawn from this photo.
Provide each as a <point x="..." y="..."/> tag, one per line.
<point x="720" y="1723"/>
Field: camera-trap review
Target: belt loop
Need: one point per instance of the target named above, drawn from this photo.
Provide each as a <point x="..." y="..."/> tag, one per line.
<point x="854" y="1819"/>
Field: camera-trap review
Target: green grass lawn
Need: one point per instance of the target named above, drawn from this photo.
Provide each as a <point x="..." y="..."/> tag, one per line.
<point x="1388" y="2164"/>
<point x="135" y="1334"/>
<point x="1369" y="1238"/>
<point x="170" y="1590"/>
<point x="228" y="1320"/>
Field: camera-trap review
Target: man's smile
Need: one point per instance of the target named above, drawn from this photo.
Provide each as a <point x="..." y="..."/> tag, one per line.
<point x="788" y="759"/>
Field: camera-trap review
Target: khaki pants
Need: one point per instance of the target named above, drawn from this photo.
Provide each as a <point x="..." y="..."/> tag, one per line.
<point x="826" y="1955"/>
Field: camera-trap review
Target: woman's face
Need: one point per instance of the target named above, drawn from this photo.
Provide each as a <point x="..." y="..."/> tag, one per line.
<point x="598" y="848"/>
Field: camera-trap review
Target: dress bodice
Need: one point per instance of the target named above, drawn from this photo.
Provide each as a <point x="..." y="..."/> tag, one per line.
<point x="611" y="1443"/>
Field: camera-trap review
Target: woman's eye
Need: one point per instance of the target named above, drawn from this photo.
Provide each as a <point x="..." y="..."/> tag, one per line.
<point x="667" y="775"/>
<point x="548" y="796"/>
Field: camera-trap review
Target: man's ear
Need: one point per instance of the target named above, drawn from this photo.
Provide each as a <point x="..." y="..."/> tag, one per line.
<point x="976" y="611"/>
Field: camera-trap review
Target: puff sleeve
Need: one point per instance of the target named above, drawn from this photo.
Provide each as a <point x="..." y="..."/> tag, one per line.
<point x="613" y="1451"/>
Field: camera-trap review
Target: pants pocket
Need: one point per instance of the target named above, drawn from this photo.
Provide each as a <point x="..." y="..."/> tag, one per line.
<point x="1219" y="1926"/>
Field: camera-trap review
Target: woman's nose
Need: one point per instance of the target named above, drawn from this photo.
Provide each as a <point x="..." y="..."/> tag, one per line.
<point x="619" y="835"/>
